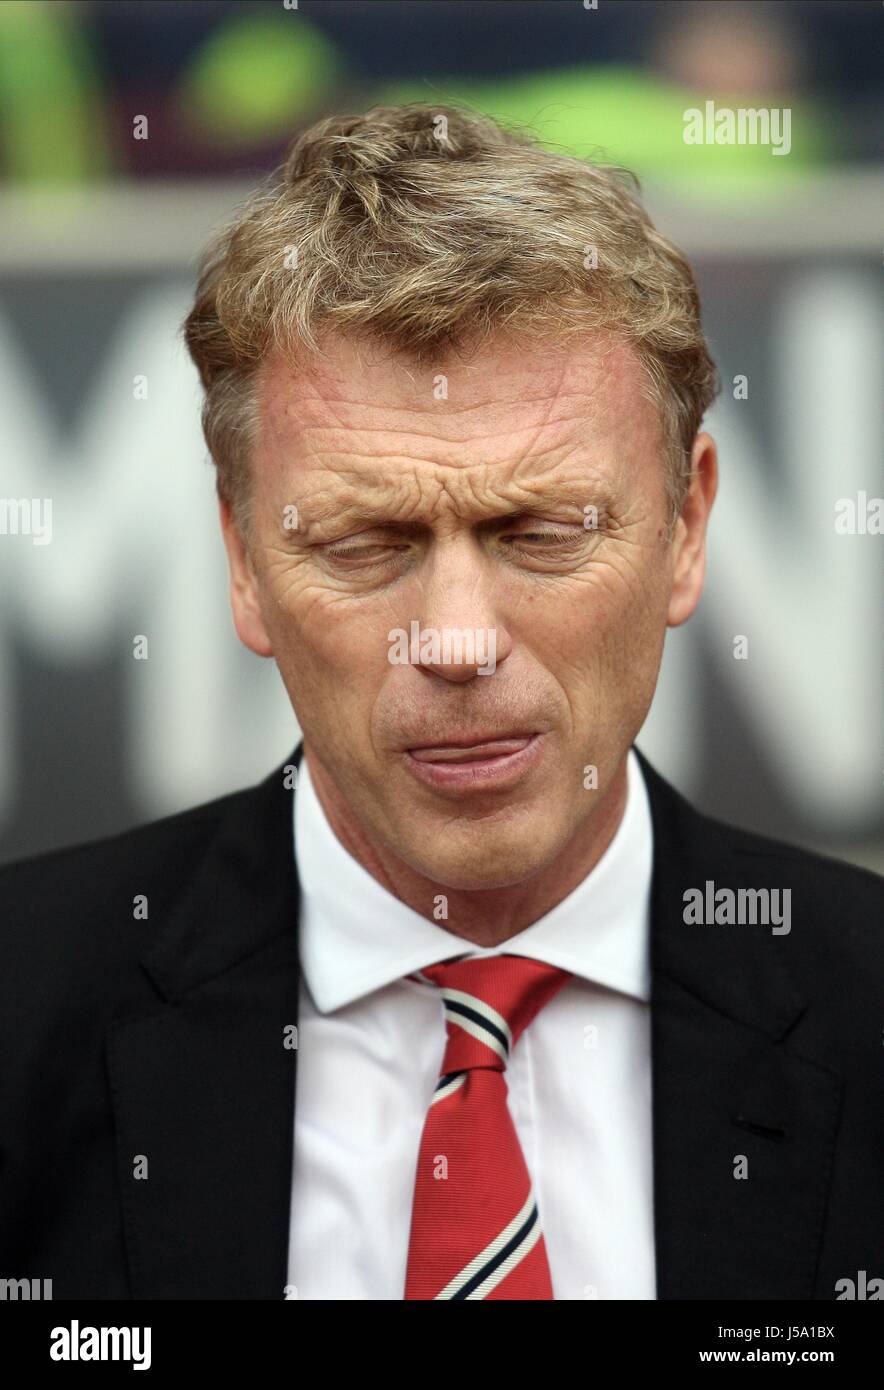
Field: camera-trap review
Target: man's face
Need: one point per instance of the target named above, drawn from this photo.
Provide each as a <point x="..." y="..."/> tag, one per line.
<point x="521" y="501"/>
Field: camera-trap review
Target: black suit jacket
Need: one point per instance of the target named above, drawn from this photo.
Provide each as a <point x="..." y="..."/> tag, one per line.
<point x="164" y="1038"/>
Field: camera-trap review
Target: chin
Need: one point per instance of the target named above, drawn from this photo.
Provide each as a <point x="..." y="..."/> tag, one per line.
<point x="486" y="862"/>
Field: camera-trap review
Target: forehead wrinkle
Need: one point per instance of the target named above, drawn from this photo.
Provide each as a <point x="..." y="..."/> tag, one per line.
<point x="382" y="439"/>
<point x="526" y="452"/>
<point x="303" y="402"/>
<point x="535" y="444"/>
<point x="385" y="500"/>
<point x="311" y="422"/>
<point x="422" y="496"/>
<point x="545" y="367"/>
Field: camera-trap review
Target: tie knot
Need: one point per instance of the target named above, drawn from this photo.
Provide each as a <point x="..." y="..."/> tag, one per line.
<point x="489" y="1002"/>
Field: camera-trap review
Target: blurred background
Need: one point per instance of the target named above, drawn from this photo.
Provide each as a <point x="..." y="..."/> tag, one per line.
<point x="129" y="130"/>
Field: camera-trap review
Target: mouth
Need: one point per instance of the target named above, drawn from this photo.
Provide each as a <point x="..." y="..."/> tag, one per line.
<point x="475" y="765"/>
<point x="471" y="750"/>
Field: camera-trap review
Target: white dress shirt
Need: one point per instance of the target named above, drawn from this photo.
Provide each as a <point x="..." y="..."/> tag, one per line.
<point x="370" y="1049"/>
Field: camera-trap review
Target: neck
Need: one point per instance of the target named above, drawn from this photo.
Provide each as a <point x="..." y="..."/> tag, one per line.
<point x="485" y="916"/>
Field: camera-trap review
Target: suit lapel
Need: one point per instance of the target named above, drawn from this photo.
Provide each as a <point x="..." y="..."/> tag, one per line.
<point x="203" y="1086"/>
<point x="728" y="1094"/>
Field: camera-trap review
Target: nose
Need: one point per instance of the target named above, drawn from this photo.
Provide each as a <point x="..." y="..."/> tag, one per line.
<point x="460" y="634"/>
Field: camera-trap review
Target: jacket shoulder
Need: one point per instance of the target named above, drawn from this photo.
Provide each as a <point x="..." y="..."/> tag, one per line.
<point x="836" y="933"/>
<point x="93" y="860"/>
<point x="821" y="868"/>
<point x="685" y="821"/>
<point x="81" y="913"/>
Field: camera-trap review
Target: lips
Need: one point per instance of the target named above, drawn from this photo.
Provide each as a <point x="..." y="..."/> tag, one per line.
<point x="478" y="767"/>
<point x="467" y="751"/>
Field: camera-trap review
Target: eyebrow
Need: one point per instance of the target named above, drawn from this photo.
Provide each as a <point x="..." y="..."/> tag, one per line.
<point x="349" y="509"/>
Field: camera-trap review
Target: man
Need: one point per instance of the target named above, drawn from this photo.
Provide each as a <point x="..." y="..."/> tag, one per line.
<point x="463" y="1001"/>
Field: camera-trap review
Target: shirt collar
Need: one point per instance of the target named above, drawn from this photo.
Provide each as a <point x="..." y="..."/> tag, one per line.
<point x="356" y="936"/>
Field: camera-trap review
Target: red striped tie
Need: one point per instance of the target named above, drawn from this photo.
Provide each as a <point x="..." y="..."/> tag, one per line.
<point x="475" y="1227"/>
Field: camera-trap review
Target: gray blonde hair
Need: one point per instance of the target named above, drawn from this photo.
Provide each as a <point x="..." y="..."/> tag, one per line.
<point x="425" y="227"/>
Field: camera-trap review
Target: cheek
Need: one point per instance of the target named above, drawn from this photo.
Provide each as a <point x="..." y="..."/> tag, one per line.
<point x="331" y="652"/>
<point x="604" y="633"/>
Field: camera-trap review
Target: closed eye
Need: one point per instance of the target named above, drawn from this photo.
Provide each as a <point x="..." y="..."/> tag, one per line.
<point x="360" y="552"/>
<point x="546" y="537"/>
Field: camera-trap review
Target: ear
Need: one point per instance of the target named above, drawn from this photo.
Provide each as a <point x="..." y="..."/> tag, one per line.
<point x="244" y="601"/>
<point x="689" y="542"/>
